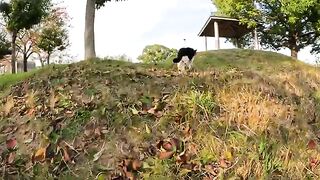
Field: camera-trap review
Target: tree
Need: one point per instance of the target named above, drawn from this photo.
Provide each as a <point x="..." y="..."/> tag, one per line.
<point x="156" y="53"/>
<point x="4" y="45"/>
<point x="89" y="41"/>
<point x="22" y="14"/>
<point x="25" y="41"/>
<point x="293" y="24"/>
<point x="53" y="35"/>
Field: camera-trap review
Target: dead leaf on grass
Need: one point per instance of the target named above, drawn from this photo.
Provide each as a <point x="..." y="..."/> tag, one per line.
<point x="211" y="169"/>
<point x="134" y="111"/>
<point x="66" y="156"/>
<point x="312" y="144"/>
<point x="11" y="143"/>
<point x="183" y="158"/>
<point x="136" y="164"/>
<point x="148" y="131"/>
<point x="9" y="130"/>
<point x="99" y="154"/>
<point x="224" y="163"/>
<point x="8" y="106"/>
<point x="30" y="112"/>
<point x="166" y="155"/>
<point x="30" y="139"/>
<point x="97" y="132"/>
<point x="313" y="163"/>
<point x="167" y="146"/>
<point x="40" y="155"/>
<point x="11" y="157"/>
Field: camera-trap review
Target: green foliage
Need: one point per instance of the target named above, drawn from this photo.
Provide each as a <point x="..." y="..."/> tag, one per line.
<point x="267" y="156"/>
<point x="54" y="34"/>
<point x="9" y="79"/>
<point x="23" y="14"/>
<point x="280" y="23"/>
<point x="156" y="53"/>
<point x="4" y="45"/>
<point x="52" y="38"/>
<point x="101" y="3"/>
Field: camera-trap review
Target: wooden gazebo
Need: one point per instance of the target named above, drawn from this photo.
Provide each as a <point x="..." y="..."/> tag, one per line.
<point x="218" y="26"/>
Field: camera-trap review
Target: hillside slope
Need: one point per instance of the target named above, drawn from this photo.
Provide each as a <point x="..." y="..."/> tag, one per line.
<point x="241" y="114"/>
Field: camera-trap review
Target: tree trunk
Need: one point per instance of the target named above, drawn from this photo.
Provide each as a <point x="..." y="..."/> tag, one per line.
<point x="13" y="53"/>
<point x="294" y="53"/>
<point x="293" y="46"/>
<point x="89" y="46"/>
<point x="48" y="58"/>
<point x="25" y="63"/>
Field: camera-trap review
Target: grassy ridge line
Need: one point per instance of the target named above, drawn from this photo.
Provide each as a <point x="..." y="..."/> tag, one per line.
<point x="241" y="114"/>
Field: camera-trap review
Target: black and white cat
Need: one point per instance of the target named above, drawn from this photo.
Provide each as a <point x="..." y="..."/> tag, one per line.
<point x="185" y="58"/>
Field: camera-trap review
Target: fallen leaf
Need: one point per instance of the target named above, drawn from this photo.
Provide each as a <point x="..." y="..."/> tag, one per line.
<point x="223" y="163"/>
<point x="136" y="164"/>
<point x="97" y="132"/>
<point x="211" y="169"/>
<point x="11" y="143"/>
<point x="187" y="131"/>
<point x="40" y="155"/>
<point x="167" y="146"/>
<point x="9" y="130"/>
<point x="165" y="155"/>
<point x="28" y="141"/>
<point x="11" y="157"/>
<point x="88" y="132"/>
<point x="134" y="111"/>
<point x="312" y="144"/>
<point x="152" y="111"/>
<point x="66" y="156"/>
<point x="130" y="175"/>
<point x="148" y="129"/>
<point x="99" y="154"/>
<point x="184" y="158"/>
<point x="30" y="112"/>
<point x="31" y="139"/>
<point x="107" y="82"/>
<point x="313" y="162"/>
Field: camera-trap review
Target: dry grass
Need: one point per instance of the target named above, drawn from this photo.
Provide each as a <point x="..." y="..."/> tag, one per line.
<point x="7" y="106"/>
<point x="251" y="109"/>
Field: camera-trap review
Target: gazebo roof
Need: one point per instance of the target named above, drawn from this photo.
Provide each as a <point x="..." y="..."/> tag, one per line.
<point x="228" y="27"/>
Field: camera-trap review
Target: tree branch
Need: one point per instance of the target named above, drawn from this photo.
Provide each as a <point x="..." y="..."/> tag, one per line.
<point x="19" y="47"/>
<point x="29" y="54"/>
<point x="30" y="46"/>
<point x="308" y="34"/>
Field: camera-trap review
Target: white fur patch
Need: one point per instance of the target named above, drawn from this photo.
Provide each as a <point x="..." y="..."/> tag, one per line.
<point x="185" y="63"/>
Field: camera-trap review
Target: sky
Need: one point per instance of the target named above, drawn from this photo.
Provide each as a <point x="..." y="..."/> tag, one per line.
<point x="127" y="27"/>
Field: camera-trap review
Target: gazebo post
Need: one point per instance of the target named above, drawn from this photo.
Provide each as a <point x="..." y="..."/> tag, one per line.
<point x="206" y="43"/>
<point x="237" y="43"/>
<point x="256" y="41"/>
<point x="216" y="34"/>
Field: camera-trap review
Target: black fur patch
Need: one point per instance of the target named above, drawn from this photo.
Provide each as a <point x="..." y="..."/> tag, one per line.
<point x="185" y="52"/>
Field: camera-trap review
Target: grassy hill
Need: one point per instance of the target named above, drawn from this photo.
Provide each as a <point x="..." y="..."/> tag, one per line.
<point x="240" y="114"/>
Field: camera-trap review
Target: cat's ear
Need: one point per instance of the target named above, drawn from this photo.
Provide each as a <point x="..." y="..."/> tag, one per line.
<point x="195" y="50"/>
